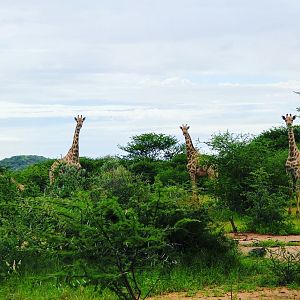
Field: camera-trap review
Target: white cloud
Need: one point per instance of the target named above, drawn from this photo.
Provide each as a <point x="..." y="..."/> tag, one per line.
<point x="135" y="66"/>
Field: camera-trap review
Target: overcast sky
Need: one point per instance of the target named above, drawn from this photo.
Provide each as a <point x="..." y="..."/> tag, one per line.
<point x="136" y="66"/>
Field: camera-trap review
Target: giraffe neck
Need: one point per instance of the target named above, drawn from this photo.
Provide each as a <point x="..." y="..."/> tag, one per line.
<point x="293" y="149"/>
<point x="73" y="153"/>
<point x="190" y="149"/>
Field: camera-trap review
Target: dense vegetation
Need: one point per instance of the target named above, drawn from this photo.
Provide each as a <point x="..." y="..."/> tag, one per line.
<point x="128" y="227"/>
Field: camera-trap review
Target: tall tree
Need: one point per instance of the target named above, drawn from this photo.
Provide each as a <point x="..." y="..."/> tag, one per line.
<point x="152" y="146"/>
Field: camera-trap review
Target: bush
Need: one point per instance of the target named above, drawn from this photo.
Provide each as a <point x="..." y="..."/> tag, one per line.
<point x="285" y="266"/>
<point x="236" y="159"/>
<point x="169" y="172"/>
<point x="68" y="180"/>
<point x="115" y="180"/>
<point x="35" y="178"/>
<point x="109" y="240"/>
<point x="8" y="188"/>
<point x="266" y="209"/>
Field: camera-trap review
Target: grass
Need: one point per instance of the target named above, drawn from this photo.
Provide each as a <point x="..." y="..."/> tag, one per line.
<point x="219" y="278"/>
<point x="222" y="217"/>
<point x="192" y="273"/>
<point x="26" y="287"/>
<point x="295" y="221"/>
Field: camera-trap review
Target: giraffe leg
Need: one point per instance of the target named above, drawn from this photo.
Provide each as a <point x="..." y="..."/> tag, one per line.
<point x="297" y="201"/>
<point x="194" y="185"/>
<point x="297" y="192"/>
<point x="291" y="189"/>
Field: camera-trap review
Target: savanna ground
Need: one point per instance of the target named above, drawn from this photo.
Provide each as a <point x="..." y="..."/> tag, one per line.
<point x="247" y="242"/>
<point x="215" y="294"/>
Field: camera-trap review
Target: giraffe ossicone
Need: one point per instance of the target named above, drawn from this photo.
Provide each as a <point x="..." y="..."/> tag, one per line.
<point x="72" y="157"/>
<point x="292" y="164"/>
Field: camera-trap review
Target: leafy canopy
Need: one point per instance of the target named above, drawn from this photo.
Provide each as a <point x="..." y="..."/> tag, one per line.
<point x="152" y="146"/>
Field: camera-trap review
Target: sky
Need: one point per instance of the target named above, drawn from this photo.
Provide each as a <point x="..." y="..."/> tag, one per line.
<point x="140" y="66"/>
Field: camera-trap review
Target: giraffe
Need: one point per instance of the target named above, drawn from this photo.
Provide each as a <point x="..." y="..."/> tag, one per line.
<point x="292" y="164"/>
<point x="72" y="157"/>
<point x="193" y="156"/>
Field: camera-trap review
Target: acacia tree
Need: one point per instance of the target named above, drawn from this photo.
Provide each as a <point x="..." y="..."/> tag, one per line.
<point x="252" y="180"/>
<point x="237" y="157"/>
<point x="152" y="146"/>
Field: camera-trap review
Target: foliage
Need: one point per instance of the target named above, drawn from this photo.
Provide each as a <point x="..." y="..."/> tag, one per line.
<point x="115" y="180"/>
<point x="276" y="138"/>
<point x="93" y="166"/>
<point x="146" y="168"/>
<point x="266" y="209"/>
<point x="68" y="179"/>
<point x="9" y="200"/>
<point x="152" y="146"/>
<point x="285" y="266"/>
<point x="169" y="172"/>
<point x="113" y="246"/>
<point x="236" y="159"/>
<point x="35" y="178"/>
<point x="109" y="238"/>
<point x="175" y="172"/>
<point x="8" y="188"/>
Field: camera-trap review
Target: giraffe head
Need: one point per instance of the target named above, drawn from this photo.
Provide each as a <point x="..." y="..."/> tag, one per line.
<point x="288" y="118"/>
<point x="184" y="129"/>
<point x="79" y="120"/>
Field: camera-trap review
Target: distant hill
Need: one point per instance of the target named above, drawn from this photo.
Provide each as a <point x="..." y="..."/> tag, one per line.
<point x="21" y="161"/>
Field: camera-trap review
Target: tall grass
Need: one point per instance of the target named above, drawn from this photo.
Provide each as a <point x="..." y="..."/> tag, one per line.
<point x="190" y="273"/>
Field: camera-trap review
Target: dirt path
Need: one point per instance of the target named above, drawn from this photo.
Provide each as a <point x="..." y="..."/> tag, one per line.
<point x="246" y="239"/>
<point x="262" y="294"/>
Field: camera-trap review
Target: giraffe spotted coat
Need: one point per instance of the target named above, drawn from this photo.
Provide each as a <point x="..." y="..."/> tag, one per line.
<point x="72" y="157"/>
<point x="292" y="164"/>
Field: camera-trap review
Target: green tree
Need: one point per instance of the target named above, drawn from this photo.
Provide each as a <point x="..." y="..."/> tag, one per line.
<point x="152" y="146"/>
<point x="277" y="138"/>
<point x="169" y="172"/>
<point x="266" y="208"/>
<point x="234" y="161"/>
<point x="237" y="157"/>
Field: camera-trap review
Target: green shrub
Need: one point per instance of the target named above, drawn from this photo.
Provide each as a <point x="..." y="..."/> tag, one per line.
<point x="266" y="210"/>
<point x="35" y="178"/>
<point x="68" y="179"/>
<point x="236" y="159"/>
<point x="285" y="266"/>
